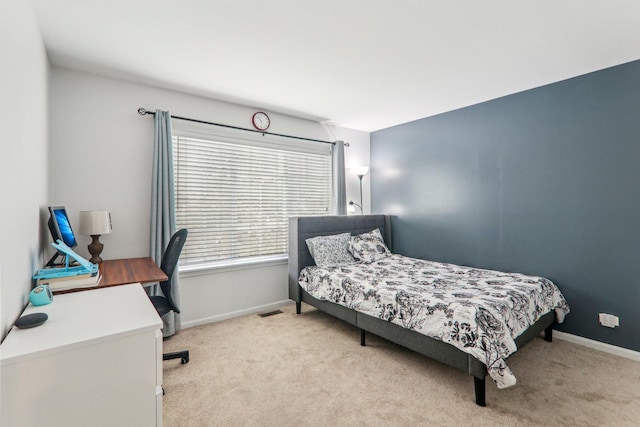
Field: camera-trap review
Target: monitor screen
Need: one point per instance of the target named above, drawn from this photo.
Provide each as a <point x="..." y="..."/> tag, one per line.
<point x="60" y="226"/>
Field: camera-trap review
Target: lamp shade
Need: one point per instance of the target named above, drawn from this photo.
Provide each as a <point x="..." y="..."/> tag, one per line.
<point x="95" y="222"/>
<point x="361" y="170"/>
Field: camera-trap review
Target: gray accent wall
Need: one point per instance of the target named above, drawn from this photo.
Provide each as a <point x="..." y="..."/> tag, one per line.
<point x="544" y="182"/>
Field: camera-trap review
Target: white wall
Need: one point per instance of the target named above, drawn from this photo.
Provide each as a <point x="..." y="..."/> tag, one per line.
<point x="100" y="158"/>
<point x="23" y="159"/>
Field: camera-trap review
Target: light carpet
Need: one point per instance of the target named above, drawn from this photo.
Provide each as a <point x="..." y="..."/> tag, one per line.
<point x="310" y="370"/>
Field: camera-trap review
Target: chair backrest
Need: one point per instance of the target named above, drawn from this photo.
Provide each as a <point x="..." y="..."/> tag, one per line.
<point x="169" y="263"/>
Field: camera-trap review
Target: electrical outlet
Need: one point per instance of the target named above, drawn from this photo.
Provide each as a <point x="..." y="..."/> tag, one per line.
<point x="609" y="320"/>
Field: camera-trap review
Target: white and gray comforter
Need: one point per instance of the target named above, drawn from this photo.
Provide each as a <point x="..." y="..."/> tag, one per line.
<point x="479" y="311"/>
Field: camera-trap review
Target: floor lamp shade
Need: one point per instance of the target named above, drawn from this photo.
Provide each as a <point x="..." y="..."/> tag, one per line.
<point x="94" y="224"/>
<point x="361" y="170"/>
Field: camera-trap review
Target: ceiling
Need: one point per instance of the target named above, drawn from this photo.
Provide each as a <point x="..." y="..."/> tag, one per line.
<point x="361" y="64"/>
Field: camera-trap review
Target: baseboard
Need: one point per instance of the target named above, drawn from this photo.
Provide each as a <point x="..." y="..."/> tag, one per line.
<point x="586" y="342"/>
<point x="597" y="345"/>
<point x="231" y="315"/>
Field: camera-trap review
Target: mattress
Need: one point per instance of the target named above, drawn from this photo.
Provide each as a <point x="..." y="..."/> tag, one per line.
<point x="478" y="311"/>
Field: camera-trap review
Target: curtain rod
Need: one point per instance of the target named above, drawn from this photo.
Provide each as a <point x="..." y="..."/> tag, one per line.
<point x="144" y="112"/>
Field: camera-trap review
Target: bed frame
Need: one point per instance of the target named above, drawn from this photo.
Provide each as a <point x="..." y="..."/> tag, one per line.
<point x="302" y="228"/>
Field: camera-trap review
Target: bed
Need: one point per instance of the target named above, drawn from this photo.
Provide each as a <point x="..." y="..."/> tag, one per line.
<point x="385" y="309"/>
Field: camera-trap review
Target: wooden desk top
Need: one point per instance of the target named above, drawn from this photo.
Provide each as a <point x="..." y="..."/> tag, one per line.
<point x="130" y="270"/>
<point x="117" y="272"/>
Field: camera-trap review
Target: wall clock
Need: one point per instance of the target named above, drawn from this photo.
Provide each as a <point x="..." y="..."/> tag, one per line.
<point x="261" y="121"/>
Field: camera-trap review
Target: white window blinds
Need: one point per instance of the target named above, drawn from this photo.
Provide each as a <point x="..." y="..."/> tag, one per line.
<point x="235" y="198"/>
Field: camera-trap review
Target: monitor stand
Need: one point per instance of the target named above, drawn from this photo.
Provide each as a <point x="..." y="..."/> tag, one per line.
<point x="52" y="261"/>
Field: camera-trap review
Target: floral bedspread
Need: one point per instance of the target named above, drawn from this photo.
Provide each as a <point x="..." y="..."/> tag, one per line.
<point x="479" y="311"/>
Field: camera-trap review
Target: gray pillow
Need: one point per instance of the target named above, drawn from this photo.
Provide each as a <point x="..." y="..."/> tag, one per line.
<point x="330" y="251"/>
<point x="368" y="247"/>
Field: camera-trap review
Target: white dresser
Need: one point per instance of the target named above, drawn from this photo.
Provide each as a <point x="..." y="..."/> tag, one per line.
<point x="97" y="361"/>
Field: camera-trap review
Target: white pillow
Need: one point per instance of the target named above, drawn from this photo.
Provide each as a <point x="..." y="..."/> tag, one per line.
<point x="368" y="247"/>
<point x="330" y="251"/>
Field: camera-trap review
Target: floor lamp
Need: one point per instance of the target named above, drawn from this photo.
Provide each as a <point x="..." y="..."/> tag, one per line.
<point x="360" y="171"/>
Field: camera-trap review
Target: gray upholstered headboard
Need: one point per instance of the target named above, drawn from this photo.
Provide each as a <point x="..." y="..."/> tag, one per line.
<point x="302" y="228"/>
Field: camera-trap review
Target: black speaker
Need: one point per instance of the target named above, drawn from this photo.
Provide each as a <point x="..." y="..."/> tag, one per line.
<point x="31" y="320"/>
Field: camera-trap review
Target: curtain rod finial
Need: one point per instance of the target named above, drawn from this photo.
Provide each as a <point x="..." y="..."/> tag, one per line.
<point x="142" y="111"/>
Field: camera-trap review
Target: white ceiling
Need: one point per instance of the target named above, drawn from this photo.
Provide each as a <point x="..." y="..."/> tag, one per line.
<point x="361" y="64"/>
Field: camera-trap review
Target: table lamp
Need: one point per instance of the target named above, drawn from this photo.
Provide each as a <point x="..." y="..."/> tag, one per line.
<point x="95" y="223"/>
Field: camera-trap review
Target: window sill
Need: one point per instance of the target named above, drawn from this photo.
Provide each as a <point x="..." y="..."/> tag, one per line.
<point x="227" y="266"/>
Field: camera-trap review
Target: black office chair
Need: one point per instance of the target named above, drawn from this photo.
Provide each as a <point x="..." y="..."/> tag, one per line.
<point x="165" y="304"/>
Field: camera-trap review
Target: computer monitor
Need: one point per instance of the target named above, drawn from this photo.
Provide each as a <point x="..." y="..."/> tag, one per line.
<point x="60" y="229"/>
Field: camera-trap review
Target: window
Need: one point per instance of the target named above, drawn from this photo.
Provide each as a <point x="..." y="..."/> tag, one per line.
<point x="236" y="197"/>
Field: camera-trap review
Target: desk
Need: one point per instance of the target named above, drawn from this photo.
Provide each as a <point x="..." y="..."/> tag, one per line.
<point x="130" y="270"/>
<point x="116" y="272"/>
<point x="97" y="361"/>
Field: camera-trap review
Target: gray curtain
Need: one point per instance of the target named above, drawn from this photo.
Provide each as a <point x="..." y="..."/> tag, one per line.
<point x="339" y="190"/>
<point x="163" y="209"/>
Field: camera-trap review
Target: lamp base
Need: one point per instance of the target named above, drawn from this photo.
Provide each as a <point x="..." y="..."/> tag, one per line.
<point x="95" y="249"/>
